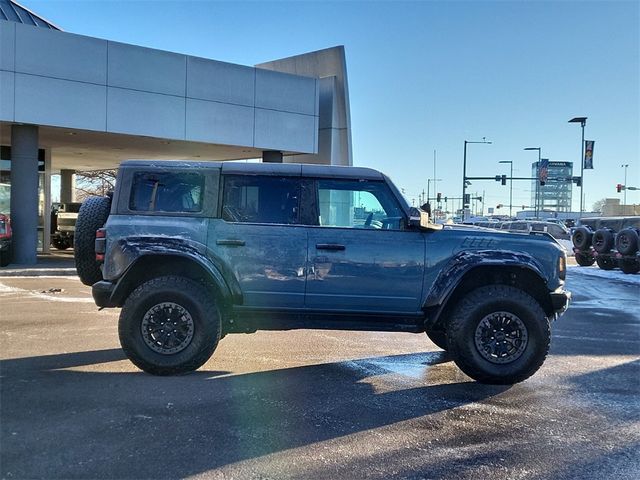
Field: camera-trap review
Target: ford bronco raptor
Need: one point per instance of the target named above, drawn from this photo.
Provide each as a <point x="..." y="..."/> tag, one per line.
<point x="193" y="251"/>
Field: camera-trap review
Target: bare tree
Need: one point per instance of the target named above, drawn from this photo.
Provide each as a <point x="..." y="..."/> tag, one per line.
<point x="94" y="182"/>
<point x="597" y="206"/>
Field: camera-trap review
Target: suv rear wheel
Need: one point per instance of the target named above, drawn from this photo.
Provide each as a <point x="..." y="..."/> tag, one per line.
<point x="498" y="334"/>
<point x="169" y="325"/>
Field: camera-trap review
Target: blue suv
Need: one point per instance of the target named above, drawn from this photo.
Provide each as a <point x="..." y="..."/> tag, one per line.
<point x="193" y="251"/>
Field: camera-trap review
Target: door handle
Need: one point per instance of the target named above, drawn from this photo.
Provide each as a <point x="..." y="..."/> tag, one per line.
<point x="329" y="246"/>
<point x="230" y="242"/>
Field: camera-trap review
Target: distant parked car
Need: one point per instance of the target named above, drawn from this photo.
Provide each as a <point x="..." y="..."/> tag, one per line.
<point x="557" y="231"/>
<point x="63" y="224"/>
<point x="5" y="240"/>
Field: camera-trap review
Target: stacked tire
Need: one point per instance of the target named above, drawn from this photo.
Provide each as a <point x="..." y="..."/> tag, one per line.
<point x="582" y="238"/>
<point x="607" y="248"/>
<point x="627" y="243"/>
<point x="603" y="241"/>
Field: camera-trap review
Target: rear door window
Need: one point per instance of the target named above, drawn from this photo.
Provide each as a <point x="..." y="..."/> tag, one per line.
<point x="167" y="192"/>
<point x="261" y="199"/>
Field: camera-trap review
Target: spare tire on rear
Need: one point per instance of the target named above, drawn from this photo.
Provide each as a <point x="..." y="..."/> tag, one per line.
<point x="627" y="241"/>
<point x="582" y="238"/>
<point x="603" y="240"/>
<point x="92" y="215"/>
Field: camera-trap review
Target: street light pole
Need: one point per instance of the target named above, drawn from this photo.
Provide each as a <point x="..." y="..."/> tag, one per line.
<point x="537" y="199"/>
<point x="625" y="166"/>
<point x="582" y="121"/>
<point x="510" y="185"/>
<point x="464" y="169"/>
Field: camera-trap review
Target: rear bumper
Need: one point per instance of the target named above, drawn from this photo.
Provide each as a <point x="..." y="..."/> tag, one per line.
<point x="560" y="300"/>
<point x="103" y="294"/>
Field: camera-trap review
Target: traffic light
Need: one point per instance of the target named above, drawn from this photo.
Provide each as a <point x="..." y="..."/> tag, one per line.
<point x="445" y="199"/>
<point x="503" y="180"/>
<point x="467" y="199"/>
<point x="578" y="181"/>
<point x="619" y="187"/>
<point x="439" y="198"/>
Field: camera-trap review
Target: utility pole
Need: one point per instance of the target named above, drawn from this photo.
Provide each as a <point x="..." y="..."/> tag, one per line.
<point x="625" y="166"/>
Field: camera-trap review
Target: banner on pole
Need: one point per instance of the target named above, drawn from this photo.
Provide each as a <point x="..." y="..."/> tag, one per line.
<point x="588" y="154"/>
<point x="543" y="173"/>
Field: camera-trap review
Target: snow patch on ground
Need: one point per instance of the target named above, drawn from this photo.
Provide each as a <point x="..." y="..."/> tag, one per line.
<point x="7" y="290"/>
<point x="595" y="271"/>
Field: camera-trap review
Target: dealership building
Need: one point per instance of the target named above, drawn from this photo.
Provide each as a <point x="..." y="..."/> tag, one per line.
<point x="75" y="103"/>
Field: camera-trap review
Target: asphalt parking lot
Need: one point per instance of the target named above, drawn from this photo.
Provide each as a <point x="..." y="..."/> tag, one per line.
<point x="314" y="404"/>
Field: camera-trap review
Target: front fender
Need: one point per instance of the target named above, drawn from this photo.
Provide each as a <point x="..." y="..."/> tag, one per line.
<point x="452" y="274"/>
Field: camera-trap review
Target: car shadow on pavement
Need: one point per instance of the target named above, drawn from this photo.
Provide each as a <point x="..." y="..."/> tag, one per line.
<point x="93" y="424"/>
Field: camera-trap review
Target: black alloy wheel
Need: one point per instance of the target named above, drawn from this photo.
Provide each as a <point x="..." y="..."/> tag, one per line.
<point x="501" y="337"/>
<point x="167" y="328"/>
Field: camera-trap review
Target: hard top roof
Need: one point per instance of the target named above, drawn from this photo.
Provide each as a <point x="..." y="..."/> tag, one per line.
<point x="280" y="169"/>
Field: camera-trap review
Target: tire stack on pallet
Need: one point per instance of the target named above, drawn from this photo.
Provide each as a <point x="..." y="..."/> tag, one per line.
<point x="607" y="248"/>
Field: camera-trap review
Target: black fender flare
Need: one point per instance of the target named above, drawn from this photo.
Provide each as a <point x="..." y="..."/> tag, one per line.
<point x="462" y="263"/>
<point x="138" y="252"/>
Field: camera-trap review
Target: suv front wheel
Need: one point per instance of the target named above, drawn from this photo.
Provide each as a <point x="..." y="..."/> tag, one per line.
<point x="169" y="325"/>
<point x="498" y="334"/>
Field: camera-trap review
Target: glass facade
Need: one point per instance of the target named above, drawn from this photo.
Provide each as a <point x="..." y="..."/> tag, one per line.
<point x="556" y="193"/>
<point x="5" y="189"/>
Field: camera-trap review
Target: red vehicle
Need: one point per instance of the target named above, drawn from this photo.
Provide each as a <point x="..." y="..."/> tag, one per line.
<point x="5" y="240"/>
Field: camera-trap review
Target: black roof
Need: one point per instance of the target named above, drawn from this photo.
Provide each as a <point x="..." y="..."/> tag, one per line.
<point x="246" y="168"/>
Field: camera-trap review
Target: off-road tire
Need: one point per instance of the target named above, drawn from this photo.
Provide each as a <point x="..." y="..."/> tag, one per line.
<point x="5" y="257"/>
<point x="584" y="259"/>
<point x="627" y="241"/>
<point x="437" y="336"/>
<point x="603" y="240"/>
<point x="186" y="293"/>
<point x="92" y="215"/>
<point x="472" y="309"/>
<point x="630" y="266"/>
<point x="606" y="263"/>
<point x="582" y="238"/>
<point x="61" y="244"/>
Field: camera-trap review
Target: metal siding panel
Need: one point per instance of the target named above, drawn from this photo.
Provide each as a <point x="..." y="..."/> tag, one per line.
<point x="285" y="131"/>
<point x="62" y="55"/>
<point x="7" y="86"/>
<point x="285" y="92"/>
<point x="63" y="103"/>
<point x="7" y="45"/>
<point x="142" y="113"/>
<point x="146" y="69"/>
<point x="220" y="81"/>
<point x="221" y="123"/>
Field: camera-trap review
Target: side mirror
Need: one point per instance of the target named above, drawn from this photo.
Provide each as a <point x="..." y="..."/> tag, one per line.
<point x="418" y="218"/>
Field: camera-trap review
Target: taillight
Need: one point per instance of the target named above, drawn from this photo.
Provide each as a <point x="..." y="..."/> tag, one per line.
<point x="100" y="245"/>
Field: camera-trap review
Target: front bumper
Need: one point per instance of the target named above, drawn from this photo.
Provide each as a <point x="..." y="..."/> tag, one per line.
<point x="103" y="294"/>
<point x="560" y="300"/>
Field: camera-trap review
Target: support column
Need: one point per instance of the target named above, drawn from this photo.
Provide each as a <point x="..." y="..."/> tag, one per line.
<point x="271" y="156"/>
<point x="67" y="186"/>
<point x="24" y="193"/>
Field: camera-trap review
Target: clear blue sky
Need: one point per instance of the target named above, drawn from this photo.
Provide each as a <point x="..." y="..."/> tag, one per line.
<point x="428" y="75"/>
